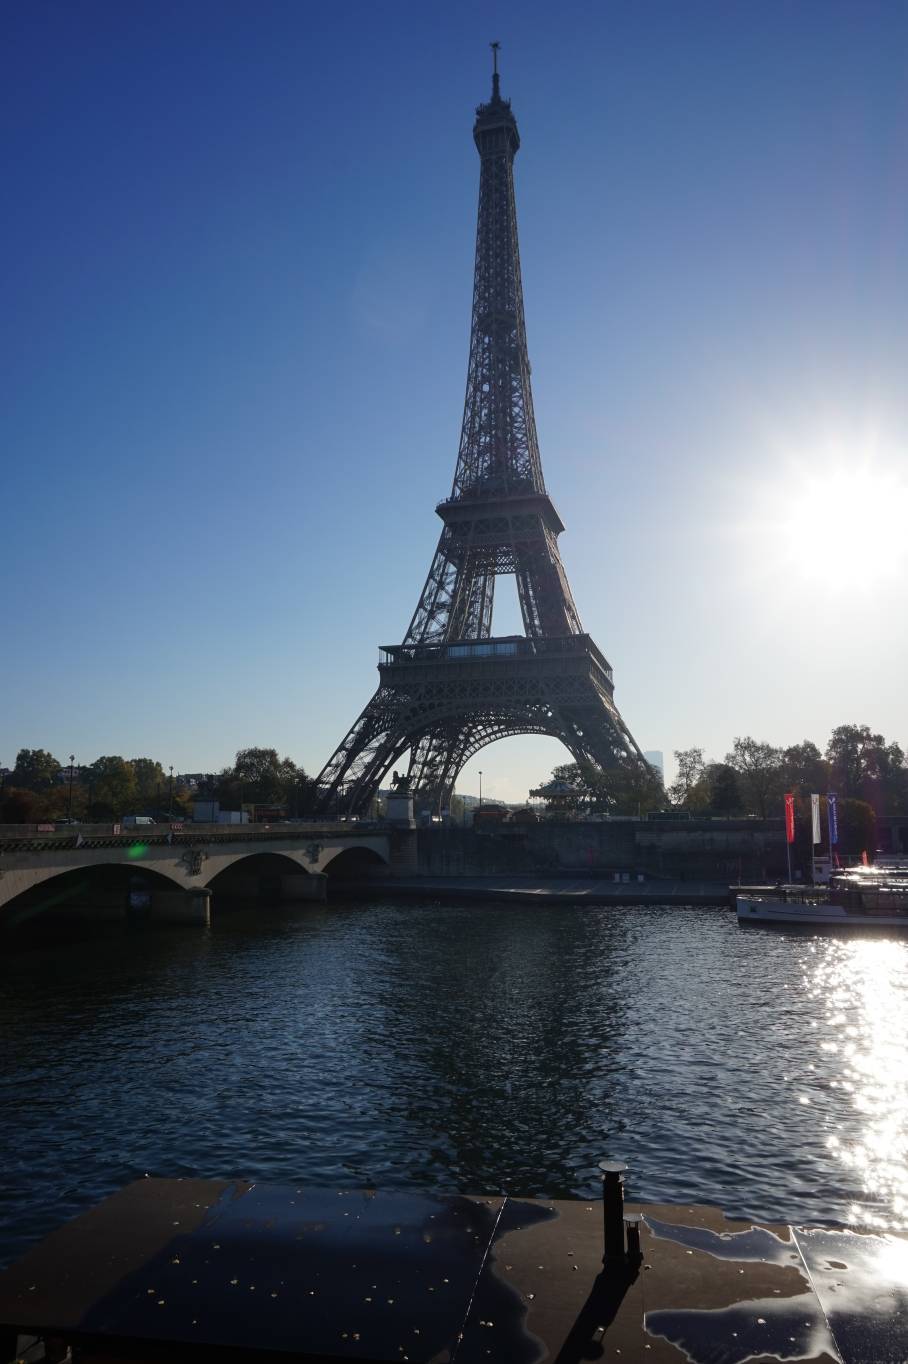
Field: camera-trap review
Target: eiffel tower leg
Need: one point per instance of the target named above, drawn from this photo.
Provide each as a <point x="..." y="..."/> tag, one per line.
<point x="436" y="762"/>
<point x="352" y="775"/>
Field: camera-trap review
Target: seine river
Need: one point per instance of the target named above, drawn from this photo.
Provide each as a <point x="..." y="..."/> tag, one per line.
<point x="461" y="1048"/>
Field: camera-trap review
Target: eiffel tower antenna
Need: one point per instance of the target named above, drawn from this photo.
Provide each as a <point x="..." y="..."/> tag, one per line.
<point x="451" y="687"/>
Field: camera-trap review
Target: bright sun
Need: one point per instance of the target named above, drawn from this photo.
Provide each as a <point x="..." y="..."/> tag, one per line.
<point x="828" y="513"/>
<point x="845" y="520"/>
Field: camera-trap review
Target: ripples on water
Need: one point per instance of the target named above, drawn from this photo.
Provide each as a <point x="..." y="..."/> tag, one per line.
<point x="462" y="1048"/>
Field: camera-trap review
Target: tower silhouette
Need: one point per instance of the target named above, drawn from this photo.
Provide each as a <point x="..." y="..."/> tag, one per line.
<point x="451" y="687"/>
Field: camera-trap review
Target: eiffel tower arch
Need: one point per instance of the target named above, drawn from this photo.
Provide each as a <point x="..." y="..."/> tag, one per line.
<point x="451" y="687"/>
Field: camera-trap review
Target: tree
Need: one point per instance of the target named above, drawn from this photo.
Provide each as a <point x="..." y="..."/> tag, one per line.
<point x="113" y="786"/>
<point x="260" y="776"/>
<point x="20" y="806"/>
<point x="627" y="789"/>
<point x="35" y="770"/>
<point x="724" y="790"/>
<point x="152" y="786"/>
<point x="864" y="766"/>
<point x="760" y="777"/>
<point x="690" y="789"/>
<point x="849" y="753"/>
<point x="804" y="769"/>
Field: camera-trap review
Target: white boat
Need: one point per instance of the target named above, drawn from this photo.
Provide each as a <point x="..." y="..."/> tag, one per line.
<point x="863" y="897"/>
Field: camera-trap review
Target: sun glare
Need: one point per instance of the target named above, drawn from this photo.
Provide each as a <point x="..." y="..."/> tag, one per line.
<point x="835" y="519"/>
<point x="847" y="521"/>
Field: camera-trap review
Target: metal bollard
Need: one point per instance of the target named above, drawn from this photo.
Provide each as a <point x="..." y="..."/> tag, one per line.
<point x="612" y="1210"/>
<point x="632" y="1228"/>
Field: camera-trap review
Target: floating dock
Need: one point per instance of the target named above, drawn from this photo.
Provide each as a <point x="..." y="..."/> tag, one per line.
<point x="213" y="1270"/>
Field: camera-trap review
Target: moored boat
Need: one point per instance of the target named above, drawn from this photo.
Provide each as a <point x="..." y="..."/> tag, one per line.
<point x="864" y="897"/>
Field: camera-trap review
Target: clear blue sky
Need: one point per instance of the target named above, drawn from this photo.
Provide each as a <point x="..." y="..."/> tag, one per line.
<point x="238" y="249"/>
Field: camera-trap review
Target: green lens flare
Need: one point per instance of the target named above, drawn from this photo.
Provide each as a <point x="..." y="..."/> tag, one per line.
<point x="136" y="850"/>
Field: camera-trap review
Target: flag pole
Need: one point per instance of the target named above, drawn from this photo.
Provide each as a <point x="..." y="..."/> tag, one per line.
<point x="789" y="828"/>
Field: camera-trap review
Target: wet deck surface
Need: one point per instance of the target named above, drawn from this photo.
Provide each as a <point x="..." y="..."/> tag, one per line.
<point x="224" y="1268"/>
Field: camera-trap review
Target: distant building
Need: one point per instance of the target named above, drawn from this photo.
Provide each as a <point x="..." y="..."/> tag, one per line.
<point x="194" y="780"/>
<point x="78" y="775"/>
<point x="655" y="759"/>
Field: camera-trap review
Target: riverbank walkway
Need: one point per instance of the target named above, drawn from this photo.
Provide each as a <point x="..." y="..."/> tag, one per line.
<point x="552" y="890"/>
<point x="210" y="1270"/>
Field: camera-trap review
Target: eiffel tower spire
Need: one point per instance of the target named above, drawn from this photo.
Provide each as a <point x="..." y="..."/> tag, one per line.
<point x="450" y="688"/>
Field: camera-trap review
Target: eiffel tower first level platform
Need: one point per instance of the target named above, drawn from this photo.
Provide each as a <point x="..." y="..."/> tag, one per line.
<point x="452" y="687"/>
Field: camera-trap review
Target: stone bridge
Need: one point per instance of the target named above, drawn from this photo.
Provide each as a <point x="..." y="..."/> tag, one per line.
<point x="171" y="872"/>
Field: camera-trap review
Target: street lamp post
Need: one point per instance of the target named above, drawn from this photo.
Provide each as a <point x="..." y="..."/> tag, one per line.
<point x="72" y="759"/>
<point x="480" y="788"/>
<point x="170" y="811"/>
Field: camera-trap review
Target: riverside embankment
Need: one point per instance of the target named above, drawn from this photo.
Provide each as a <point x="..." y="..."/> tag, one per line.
<point x="536" y="890"/>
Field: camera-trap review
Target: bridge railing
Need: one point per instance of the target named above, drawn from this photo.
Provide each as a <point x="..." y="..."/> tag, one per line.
<point x="46" y="838"/>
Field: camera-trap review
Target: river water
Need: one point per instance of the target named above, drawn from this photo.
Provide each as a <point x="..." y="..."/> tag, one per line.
<point x="461" y="1048"/>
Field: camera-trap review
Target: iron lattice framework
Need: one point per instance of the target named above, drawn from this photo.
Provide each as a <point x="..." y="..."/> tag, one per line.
<point x="451" y="688"/>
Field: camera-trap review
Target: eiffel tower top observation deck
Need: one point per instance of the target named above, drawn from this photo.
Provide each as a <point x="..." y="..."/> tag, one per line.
<point x="450" y="688"/>
<point x="499" y="471"/>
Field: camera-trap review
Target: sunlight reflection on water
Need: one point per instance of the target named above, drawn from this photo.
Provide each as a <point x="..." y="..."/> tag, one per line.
<point x="863" y="988"/>
<point x="462" y="1048"/>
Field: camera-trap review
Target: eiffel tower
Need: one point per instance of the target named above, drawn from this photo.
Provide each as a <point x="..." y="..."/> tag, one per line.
<point x="452" y="687"/>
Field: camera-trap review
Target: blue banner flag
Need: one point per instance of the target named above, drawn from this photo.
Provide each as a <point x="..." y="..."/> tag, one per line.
<point x="833" y="819"/>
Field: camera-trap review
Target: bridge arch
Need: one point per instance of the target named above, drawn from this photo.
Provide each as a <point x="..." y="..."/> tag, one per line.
<point x="353" y="864"/>
<point x="97" y="890"/>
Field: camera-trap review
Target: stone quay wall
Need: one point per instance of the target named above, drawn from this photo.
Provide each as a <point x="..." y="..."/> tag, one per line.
<point x="748" y="850"/>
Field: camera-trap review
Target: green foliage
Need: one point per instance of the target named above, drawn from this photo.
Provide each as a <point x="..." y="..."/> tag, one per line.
<point x="804" y="769"/>
<point x="20" y="806"/>
<point x="152" y="783"/>
<point x="724" y="790"/>
<point x="113" y="787"/>
<point x="260" y="776"/>
<point x="690" y="789"/>
<point x="631" y="789"/>
<point x="760" y="779"/>
<point x="862" y="765"/>
<point x="35" y="770"/>
<point x="858" y="765"/>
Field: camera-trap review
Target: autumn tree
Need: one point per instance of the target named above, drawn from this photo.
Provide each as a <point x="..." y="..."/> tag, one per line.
<point x="18" y="805"/>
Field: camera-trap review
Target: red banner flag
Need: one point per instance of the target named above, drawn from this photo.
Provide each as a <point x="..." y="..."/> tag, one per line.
<point x="789" y="817"/>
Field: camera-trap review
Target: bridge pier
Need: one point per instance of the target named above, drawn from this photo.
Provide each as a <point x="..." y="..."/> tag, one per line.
<point x="284" y="888"/>
<point x="404" y="852"/>
<point x="191" y="907"/>
<point x="300" y="886"/>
